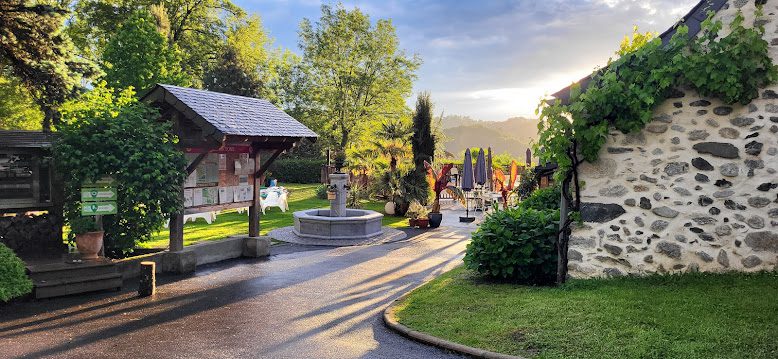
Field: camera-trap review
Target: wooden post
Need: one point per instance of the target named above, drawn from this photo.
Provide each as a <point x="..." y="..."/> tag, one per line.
<point x="561" y="240"/>
<point x="255" y="207"/>
<point x="148" y="281"/>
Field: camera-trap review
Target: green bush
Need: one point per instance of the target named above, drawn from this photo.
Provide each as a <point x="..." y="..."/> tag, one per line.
<point x="13" y="279"/>
<point x="516" y="244"/>
<point x="108" y="134"/>
<point x="321" y="191"/>
<point x="297" y="170"/>
<point x="543" y="198"/>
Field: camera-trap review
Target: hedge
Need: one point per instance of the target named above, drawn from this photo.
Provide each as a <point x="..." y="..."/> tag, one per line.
<point x="13" y="279"/>
<point x="297" y="170"/>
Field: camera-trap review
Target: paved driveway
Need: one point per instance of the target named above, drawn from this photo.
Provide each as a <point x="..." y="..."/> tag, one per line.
<point x="304" y="302"/>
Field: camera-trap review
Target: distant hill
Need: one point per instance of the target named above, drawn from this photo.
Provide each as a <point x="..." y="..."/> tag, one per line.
<point x="512" y="135"/>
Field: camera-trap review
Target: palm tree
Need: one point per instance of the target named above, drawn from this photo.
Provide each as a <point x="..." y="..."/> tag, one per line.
<point x="392" y="141"/>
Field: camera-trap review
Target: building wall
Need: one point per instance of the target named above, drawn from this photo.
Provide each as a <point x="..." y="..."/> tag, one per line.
<point x="695" y="190"/>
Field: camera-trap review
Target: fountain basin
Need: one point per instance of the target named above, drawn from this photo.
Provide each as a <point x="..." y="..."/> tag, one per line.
<point x="357" y="224"/>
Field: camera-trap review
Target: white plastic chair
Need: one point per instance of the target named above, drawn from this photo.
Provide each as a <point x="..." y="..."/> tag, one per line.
<point x="273" y="199"/>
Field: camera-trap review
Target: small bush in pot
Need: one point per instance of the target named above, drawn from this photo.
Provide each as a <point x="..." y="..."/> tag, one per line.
<point x="417" y="215"/>
<point x="88" y="237"/>
<point x="439" y="181"/>
<point x="517" y="245"/>
<point x="13" y="279"/>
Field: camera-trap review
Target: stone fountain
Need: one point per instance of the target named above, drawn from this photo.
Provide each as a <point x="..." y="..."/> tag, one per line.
<point x="338" y="222"/>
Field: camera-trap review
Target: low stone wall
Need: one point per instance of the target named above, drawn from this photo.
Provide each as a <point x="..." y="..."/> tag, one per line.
<point x="198" y="254"/>
<point x="32" y="234"/>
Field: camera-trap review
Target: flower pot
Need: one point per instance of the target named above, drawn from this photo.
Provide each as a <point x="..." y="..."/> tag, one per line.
<point x="423" y="223"/>
<point x="89" y="244"/>
<point x="413" y="222"/>
<point x="389" y="208"/>
<point x="435" y="219"/>
<point x="331" y="196"/>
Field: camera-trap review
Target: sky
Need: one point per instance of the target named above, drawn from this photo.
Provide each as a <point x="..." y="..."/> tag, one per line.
<point x="492" y="60"/>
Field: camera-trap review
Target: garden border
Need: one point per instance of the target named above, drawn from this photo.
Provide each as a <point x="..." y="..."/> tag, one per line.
<point x="390" y="320"/>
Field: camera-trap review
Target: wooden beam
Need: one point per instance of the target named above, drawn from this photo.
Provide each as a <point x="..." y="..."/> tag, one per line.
<point x="261" y="171"/>
<point x="255" y="208"/>
<point x="192" y="166"/>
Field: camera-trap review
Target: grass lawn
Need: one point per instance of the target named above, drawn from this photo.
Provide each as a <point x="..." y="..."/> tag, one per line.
<point x="683" y="316"/>
<point x="231" y="223"/>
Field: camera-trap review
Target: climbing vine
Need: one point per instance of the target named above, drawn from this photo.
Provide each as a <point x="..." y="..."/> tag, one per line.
<point x="623" y="94"/>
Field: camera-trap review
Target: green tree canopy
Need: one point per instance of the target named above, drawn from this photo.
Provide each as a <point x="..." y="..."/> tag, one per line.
<point x="39" y="55"/>
<point x="18" y="111"/>
<point x="109" y="134"/>
<point x="139" y="56"/>
<point x="357" y="70"/>
<point x="197" y="27"/>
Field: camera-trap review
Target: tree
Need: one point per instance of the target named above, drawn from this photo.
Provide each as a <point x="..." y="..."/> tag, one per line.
<point x="197" y="27"/>
<point x="18" y="111"/>
<point x="244" y="68"/>
<point x="139" y="56"/>
<point x="229" y="76"/>
<point x="112" y="134"/>
<point x="359" y="73"/>
<point x="40" y="56"/>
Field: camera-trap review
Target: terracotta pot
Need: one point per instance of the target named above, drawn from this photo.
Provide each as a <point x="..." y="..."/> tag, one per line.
<point x="331" y="196"/>
<point x="413" y="222"/>
<point x="89" y="244"/>
<point x="423" y="223"/>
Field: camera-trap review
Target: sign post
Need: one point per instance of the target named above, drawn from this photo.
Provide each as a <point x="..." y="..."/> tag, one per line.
<point x="97" y="199"/>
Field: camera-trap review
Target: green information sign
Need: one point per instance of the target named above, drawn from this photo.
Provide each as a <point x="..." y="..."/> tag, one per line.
<point x="98" y="194"/>
<point x="98" y="208"/>
<point x="103" y="182"/>
<point x="99" y="197"/>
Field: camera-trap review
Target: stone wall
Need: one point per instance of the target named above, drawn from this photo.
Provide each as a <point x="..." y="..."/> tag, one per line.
<point x="695" y="190"/>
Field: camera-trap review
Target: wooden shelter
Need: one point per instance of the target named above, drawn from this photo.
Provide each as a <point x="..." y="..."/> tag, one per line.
<point x="224" y="137"/>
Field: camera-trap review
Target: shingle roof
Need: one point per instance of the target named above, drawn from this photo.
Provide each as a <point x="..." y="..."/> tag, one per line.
<point x="26" y="139"/>
<point x="693" y="20"/>
<point x="237" y="115"/>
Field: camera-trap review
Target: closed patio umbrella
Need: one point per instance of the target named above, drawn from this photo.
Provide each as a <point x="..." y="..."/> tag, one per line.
<point x="480" y="168"/>
<point x="467" y="184"/>
<point x="489" y="173"/>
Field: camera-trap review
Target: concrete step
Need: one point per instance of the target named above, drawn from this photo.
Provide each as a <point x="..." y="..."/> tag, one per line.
<point x="66" y="278"/>
<point x="77" y="286"/>
<point x="54" y="271"/>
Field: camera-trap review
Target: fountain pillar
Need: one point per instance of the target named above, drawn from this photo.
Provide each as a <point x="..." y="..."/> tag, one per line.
<point x="338" y="205"/>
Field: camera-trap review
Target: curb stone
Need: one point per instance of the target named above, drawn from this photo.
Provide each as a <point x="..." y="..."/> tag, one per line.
<point x="390" y="320"/>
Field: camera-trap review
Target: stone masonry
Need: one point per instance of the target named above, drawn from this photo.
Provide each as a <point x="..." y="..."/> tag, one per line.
<point x="696" y="190"/>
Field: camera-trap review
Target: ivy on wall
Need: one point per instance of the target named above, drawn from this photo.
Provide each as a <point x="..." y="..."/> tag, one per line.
<point x="623" y="94"/>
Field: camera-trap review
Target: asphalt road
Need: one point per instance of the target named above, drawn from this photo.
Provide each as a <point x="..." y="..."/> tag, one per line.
<point x="302" y="302"/>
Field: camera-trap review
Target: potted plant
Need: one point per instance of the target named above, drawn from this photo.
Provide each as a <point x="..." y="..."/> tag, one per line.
<point x="332" y="192"/>
<point x="89" y="239"/>
<point x="438" y="181"/>
<point x="505" y="185"/>
<point x="417" y="215"/>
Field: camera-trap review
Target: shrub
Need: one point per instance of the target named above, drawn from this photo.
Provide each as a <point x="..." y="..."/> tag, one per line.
<point x="516" y="244"/>
<point x="297" y="170"/>
<point x="417" y="211"/>
<point x="13" y="279"/>
<point x="108" y="134"/>
<point x="355" y="196"/>
<point x="321" y="191"/>
<point x="543" y="198"/>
